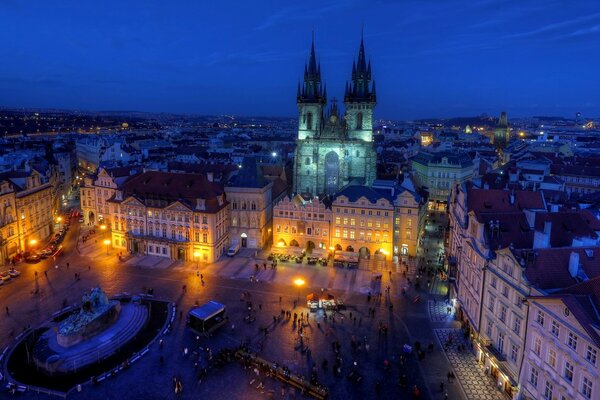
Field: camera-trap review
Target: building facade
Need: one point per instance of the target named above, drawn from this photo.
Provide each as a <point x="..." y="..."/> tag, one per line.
<point x="251" y="213"/>
<point x="302" y="223"/>
<point x="439" y="172"/>
<point x="178" y="216"/>
<point x="363" y="222"/>
<point x="332" y="150"/>
<point x="563" y="345"/>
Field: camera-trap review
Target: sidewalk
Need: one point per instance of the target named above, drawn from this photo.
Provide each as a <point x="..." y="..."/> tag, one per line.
<point x="475" y="383"/>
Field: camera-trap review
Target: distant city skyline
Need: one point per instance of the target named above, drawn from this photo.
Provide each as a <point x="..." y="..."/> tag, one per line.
<point x="430" y="59"/>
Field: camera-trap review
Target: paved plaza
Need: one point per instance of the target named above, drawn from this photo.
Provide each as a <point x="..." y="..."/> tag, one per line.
<point x="386" y="370"/>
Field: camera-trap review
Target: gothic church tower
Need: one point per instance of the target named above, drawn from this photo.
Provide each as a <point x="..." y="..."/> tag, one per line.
<point x="331" y="151"/>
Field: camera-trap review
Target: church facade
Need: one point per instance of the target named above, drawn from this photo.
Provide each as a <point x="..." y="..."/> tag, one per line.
<point x="332" y="150"/>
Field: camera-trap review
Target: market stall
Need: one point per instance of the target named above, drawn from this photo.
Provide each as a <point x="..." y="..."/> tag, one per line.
<point x="346" y="259"/>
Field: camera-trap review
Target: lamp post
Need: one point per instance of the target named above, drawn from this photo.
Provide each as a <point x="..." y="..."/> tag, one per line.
<point x="32" y="244"/>
<point x="103" y="229"/>
<point x="59" y="220"/>
<point x="299" y="282"/>
<point x="197" y="257"/>
<point x="107" y="243"/>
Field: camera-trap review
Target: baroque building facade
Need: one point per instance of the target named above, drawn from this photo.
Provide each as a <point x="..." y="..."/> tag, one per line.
<point x="333" y="151"/>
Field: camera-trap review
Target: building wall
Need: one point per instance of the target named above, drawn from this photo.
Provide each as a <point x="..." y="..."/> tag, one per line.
<point x="34" y="211"/>
<point x="9" y="238"/>
<point x="407" y="221"/>
<point x="548" y="352"/>
<point x="176" y="232"/>
<point x="504" y="319"/>
<point x="439" y="178"/>
<point x="250" y="215"/>
<point x="301" y="223"/>
<point x="361" y="224"/>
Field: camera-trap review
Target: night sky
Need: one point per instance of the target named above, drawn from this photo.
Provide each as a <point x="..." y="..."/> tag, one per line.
<point x="430" y="58"/>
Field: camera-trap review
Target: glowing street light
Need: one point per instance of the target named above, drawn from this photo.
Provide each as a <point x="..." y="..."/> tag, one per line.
<point x="197" y="256"/>
<point x="274" y="154"/>
<point x="299" y="282"/>
<point x="106" y="243"/>
<point x="32" y="243"/>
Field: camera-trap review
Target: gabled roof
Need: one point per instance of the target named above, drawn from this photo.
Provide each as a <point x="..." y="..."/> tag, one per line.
<point x="169" y="187"/>
<point x="355" y="192"/>
<point x="249" y="175"/>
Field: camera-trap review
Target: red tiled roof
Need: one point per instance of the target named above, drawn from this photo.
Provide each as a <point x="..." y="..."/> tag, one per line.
<point x="566" y="226"/>
<point x="498" y="200"/>
<point x="513" y="230"/>
<point x="173" y="186"/>
<point x="550" y="268"/>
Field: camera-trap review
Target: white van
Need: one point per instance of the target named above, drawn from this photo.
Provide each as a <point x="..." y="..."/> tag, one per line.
<point x="233" y="250"/>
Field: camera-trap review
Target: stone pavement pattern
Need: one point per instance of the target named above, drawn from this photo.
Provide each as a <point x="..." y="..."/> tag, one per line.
<point x="475" y="383"/>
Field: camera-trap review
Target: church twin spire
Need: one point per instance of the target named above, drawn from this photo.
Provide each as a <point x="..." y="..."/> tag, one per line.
<point x="359" y="90"/>
<point x="312" y="91"/>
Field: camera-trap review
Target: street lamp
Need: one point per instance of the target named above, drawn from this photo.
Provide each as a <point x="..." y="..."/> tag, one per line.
<point x="107" y="243"/>
<point x="32" y="244"/>
<point x="299" y="282"/>
<point x="197" y="256"/>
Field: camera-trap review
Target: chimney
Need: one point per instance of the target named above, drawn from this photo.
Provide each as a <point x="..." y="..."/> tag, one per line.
<point x="547" y="227"/>
<point x="210" y="176"/>
<point x="200" y="204"/>
<point x="574" y="264"/>
<point x="119" y="195"/>
<point x="512" y="198"/>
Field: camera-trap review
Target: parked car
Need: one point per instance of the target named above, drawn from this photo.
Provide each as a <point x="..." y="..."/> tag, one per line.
<point x="4" y="276"/>
<point x="33" y="258"/>
<point x="14" y="273"/>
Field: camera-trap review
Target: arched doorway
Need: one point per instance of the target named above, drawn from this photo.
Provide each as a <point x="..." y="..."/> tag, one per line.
<point x="332" y="171"/>
<point x="338" y="247"/>
<point x="281" y="243"/>
<point x="180" y="254"/>
<point x="91" y="217"/>
<point x="349" y="248"/>
<point x="364" y="252"/>
<point x="244" y="238"/>
<point x="294" y="243"/>
<point x="310" y="245"/>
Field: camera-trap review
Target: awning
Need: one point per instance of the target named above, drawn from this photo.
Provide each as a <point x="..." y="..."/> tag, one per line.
<point x="346" y="256"/>
<point x="319" y="253"/>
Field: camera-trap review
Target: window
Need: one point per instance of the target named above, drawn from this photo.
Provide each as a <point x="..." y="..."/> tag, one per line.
<point x="204" y="219"/>
<point x="548" y="391"/>
<point x="345" y="234"/>
<point x="489" y="328"/>
<point x="352" y="222"/>
<point x="555" y="329"/>
<point x="568" y="371"/>
<point x="196" y="219"/>
<point x="345" y="221"/>
<point x="309" y="121"/>
<point x="540" y="318"/>
<point x="502" y="316"/>
<point x="514" y="352"/>
<point x="351" y="234"/>
<point x="205" y="237"/>
<point x="505" y="291"/>
<point x="533" y="377"/>
<point x="517" y="325"/>
<point x="197" y="236"/>
<point x="494" y="282"/>
<point x="591" y="354"/>
<point x="552" y="358"/>
<point x="337" y="220"/>
<point x="537" y="346"/>
<point x="586" y="388"/>
<point x="337" y="233"/>
<point x="491" y="304"/>
<point x="572" y="341"/>
<point x="309" y="231"/>
<point x="359" y="121"/>
<point x="501" y="342"/>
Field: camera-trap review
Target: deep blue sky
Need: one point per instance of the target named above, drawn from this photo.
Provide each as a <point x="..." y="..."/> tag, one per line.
<point x="430" y="58"/>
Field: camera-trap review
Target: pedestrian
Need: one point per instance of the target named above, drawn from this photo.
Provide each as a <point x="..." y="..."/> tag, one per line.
<point x="46" y="273"/>
<point x="260" y="307"/>
<point x="67" y="265"/>
<point x="279" y="299"/>
<point x="441" y="386"/>
<point x="201" y="277"/>
<point x="7" y="312"/>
